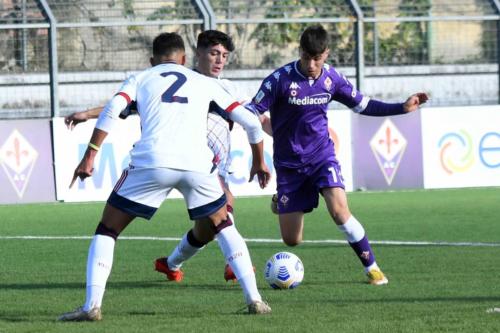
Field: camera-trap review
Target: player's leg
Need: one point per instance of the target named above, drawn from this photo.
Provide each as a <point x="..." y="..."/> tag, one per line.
<point x="296" y="196"/>
<point x="207" y="204"/>
<point x="336" y="202"/>
<point x="191" y="243"/>
<point x="292" y="226"/>
<point x="236" y="253"/>
<point x="122" y="207"/>
<point x="101" y="251"/>
<point x="99" y="263"/>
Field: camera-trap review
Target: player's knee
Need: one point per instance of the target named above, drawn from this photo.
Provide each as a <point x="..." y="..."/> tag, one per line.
<point x="200" y="240"/>
<point x="106" y="231"/>
<point x="340" y="214"/>
<point x="219" y="226"/>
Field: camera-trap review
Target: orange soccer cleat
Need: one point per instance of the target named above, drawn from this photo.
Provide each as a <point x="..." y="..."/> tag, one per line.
<point x="162" y="267"/>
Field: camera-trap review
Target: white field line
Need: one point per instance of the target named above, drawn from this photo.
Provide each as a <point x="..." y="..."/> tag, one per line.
<point x="266" y="240"/>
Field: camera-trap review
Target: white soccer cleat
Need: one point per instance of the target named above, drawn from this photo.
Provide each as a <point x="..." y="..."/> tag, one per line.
<point x="79" y="314"/>
<point x="259" y="307"/>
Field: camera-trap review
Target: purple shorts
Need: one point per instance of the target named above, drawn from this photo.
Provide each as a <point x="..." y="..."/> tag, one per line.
<point x="298" y="189"/>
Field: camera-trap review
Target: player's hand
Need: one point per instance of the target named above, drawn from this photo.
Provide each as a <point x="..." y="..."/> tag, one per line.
<point x="263" y="175"/>
<point x="84" y="169"/>
<point x="414" y="101"/>
<point x="74" y="119"/>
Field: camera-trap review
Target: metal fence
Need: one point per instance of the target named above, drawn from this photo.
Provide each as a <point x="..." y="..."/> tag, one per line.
<point x="58" y="56"/>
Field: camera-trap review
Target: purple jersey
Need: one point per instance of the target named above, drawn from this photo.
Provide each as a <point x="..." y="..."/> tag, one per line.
<point x="298" y="112"/>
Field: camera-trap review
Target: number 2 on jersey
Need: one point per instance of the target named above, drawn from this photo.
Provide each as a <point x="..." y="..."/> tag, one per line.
<point x="168" y="96"/>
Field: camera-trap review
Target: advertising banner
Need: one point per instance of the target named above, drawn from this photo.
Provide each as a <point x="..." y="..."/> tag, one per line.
<point x="241" y="156"/>
<point x="339" y="122"/>
<point x="387" y="152"/>
<point x="461" y="146"/>
<point x="113" y="157"/>
<point x="26" y="172"/>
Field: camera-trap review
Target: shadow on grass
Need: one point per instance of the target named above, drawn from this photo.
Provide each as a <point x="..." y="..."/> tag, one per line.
<point x="413" y="300"/>
<point x="115" y="285"/>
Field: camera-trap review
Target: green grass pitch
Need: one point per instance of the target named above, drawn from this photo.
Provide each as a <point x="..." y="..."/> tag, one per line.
<point x="443" y="282"/>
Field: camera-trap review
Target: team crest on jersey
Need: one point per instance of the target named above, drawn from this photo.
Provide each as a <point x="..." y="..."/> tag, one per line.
<point x="18" y="157"/>
<point x="328" y="83"/>
<point x="276" y="75"/>
<point x="388" y="145"/>
<point x="260" y="95"/>
<point x="268" y="85"/>
<point x="288" y="68"/>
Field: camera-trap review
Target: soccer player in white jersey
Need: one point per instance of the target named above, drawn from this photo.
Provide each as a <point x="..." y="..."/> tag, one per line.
<point x="212" y="52"/>
<point x="172" y="153"/>
<point x="213" y="48"/>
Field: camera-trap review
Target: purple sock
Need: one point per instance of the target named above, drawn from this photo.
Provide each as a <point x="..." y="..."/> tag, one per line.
<point x="363" y="251"/>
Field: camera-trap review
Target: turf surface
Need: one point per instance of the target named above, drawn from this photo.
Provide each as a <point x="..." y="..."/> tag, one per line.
<point x="432" y="288"/>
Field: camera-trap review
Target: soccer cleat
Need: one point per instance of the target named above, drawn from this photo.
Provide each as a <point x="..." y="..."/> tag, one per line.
<point x="376" y="277"/>
<point x="162" y="267"/>
<point x="259" y="307"/>
<point x="274" y="204"/>
<point x="79" y="314"/>
<point x="229" y="274"/>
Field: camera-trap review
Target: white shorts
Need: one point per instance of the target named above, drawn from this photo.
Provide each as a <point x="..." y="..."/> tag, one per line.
<point x="141" y="191"/>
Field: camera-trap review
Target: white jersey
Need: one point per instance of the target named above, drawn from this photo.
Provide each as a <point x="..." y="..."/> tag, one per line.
<point x="172" y="103"/>
<point x="219" y="136"/>
<point x="219" y="141"/>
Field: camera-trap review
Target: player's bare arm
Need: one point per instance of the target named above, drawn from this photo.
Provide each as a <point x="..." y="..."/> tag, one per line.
<point x="79" y="117"/>
<point x="259" y="167"/>
<point x="86" y="165"/>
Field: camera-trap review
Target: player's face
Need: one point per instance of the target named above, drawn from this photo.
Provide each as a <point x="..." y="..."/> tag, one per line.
<point x="211" y="60"/>
<point x="311" y="65"/>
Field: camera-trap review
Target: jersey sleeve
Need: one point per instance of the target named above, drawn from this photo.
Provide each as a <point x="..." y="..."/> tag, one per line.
<point x="120" y="101"/>
<point x="346" y="94"/>
<point x="265" y="97"/>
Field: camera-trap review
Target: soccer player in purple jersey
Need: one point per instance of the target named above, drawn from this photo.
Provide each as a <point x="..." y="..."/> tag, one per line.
<point x="297" y="96"/>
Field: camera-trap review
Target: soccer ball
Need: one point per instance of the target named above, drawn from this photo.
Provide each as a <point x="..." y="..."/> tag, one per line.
<point x="284" y="270"/>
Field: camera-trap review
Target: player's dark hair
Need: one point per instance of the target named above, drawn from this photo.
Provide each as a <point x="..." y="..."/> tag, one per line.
<point x="314" y="40"/>
<point x="167" y="43"/>
<point x="210" y="38"/>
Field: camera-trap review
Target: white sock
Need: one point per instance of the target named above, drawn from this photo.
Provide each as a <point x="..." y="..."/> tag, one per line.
<point x="99" y="263"/>
<point x="236" y="253"/>
<point x="182" y="252"/>
<point x="372" y="266"/>
<point x="353" y="230"/>
<point x="231" y="217"/>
